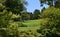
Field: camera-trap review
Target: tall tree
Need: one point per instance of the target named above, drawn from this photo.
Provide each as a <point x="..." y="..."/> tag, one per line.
<point x="16" y="6"/>
<point x="36" y="14"/>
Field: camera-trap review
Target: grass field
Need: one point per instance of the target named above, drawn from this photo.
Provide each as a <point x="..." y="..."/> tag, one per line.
<point x="31" y="25"/>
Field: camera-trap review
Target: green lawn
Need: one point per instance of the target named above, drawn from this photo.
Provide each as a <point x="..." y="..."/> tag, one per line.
<point x="31" y="25"/>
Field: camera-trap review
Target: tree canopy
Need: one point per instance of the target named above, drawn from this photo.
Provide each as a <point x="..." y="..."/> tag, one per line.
<point x="16" y="6"/>
<point x="51" y="2"/>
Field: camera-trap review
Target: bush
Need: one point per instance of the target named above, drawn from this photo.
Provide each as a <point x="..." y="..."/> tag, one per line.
<point x="51" y="26"/>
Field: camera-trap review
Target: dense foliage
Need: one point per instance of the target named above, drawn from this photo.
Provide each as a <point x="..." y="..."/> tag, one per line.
<point x="50" y="28"/>
<point x="51" y="25"/>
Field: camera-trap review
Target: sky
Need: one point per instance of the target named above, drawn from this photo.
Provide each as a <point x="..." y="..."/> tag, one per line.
<point x="34" y="4"/>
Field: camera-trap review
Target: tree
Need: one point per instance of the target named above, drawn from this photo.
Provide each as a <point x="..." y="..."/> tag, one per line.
<point x="51" y="19"/>
<point x="31" y="15"/>
<point x="51" y="23"/>
<point x="36" y="14"/>
<point x="5" y="18"/>
<point x="25" y="16"/>
<point x="16" y="6"/>
<point x="57" y="4"/>
<point x="51" y="2"/>
<point x="9" y="9"/>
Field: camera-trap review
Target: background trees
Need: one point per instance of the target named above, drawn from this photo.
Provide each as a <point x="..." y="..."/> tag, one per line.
<point x="51" y="2"/>
<point x="25" y="16"/>
<point x="36" y="14"/>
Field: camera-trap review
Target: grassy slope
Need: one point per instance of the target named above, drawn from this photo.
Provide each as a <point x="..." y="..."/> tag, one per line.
<point x="32" y="25"/>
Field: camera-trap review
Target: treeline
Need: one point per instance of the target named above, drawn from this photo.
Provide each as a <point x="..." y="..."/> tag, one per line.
<point x="28" y="15"/>
<point x="18" y="10"/>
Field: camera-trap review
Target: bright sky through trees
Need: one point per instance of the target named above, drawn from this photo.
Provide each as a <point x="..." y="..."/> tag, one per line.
<point x="34" y="4"/>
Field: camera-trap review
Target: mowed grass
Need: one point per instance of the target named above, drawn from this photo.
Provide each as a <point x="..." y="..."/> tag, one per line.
<point x="32" y="25"/>
<point x="28" y="28"/>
